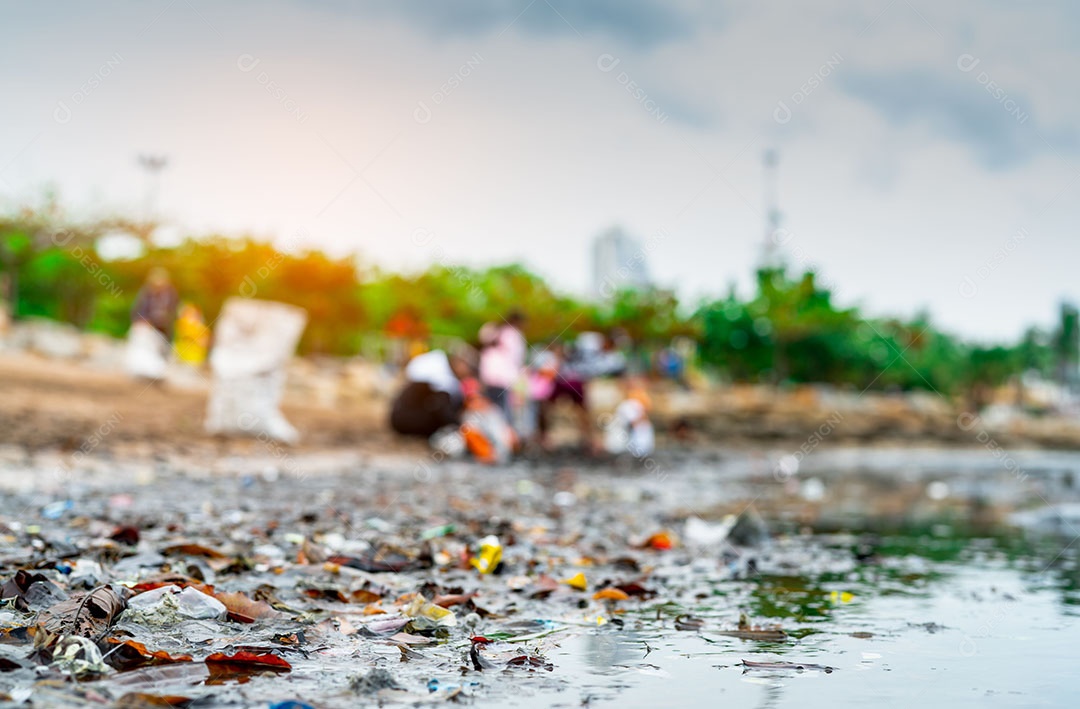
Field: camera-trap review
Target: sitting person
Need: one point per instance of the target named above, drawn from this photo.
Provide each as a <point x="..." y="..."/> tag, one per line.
<point x="487" y="434"/>
<point x="432" y="396"/>
<point x="629" y="430"/>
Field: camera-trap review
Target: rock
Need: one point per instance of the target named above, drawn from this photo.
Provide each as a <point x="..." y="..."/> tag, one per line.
<point x="374" y="681"/>
<point x="750" y="529"/>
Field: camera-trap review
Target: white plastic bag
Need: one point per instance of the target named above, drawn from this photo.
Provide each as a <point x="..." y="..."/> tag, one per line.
<point x="146" y="352"/>
<point x="253" y="341"/>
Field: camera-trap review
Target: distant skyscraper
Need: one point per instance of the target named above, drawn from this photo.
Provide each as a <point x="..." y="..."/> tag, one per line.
<point x="619" y="263"/>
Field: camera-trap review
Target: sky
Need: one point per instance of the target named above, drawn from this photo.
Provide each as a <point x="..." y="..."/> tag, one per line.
<point x="929" y="153"/>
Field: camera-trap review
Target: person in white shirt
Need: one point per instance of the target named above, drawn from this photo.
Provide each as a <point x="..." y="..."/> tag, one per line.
<point x="432" y="395"/>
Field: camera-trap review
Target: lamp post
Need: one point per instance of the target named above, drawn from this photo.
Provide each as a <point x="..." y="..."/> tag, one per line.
<point x="153" y="165"/>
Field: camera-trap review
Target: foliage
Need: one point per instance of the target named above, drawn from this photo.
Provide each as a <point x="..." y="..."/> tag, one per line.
<point x="789" y="330"/>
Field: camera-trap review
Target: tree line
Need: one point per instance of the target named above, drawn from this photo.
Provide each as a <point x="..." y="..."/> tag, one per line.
<point x="788" y="330"/>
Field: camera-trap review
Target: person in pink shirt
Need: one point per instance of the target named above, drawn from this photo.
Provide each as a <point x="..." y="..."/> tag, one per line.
<point x="502" y="359"/>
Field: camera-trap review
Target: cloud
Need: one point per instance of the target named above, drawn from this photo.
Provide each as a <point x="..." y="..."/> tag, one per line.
<point x="640" y="23"/>
<point x="994" y="121"/>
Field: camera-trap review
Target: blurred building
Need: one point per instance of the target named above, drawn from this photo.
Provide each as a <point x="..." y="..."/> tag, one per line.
<point x="619" y="262"/>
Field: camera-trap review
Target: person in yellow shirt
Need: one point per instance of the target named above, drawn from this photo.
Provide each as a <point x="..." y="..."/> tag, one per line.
<point x="192" y="336"/>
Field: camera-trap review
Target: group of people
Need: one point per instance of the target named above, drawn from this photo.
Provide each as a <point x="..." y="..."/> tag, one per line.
<point x="493" y="400"/>
<point x="490" y="400"/>
<point x="160" y="323"/>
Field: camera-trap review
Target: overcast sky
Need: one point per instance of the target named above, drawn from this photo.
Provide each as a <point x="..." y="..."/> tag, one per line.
<point x="929" y="151"/>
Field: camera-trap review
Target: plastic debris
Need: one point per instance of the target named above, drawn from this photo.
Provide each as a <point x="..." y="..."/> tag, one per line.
<point x="436" y="532"/>
<point x="56" y="510"/>
<point x="168" y="604"/>
<point x="701" y="533"/>
<point x="428" y="615"/>
<point x="78" y="656"/>
<point x="489" y="556"/>
<point x="577" y="582"/>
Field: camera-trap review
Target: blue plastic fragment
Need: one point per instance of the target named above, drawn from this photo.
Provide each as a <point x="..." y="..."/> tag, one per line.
<point x="55" y="510"/>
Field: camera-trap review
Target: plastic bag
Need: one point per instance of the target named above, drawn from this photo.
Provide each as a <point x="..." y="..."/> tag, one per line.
<point x="146" y="352"/>
<point x="254" y="340"/>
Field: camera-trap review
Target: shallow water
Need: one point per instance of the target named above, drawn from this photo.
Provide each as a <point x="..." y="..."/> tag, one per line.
<point x="999" y="637"/>
<point x="904" y="573"/>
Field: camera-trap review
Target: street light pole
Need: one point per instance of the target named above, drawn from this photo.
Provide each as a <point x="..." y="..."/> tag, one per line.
<point x="154" y="165"/>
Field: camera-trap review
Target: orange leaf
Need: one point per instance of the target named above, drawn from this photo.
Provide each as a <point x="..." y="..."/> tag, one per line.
<point x="660" y="541"/>
<point x="610" y="594"/>
<point x="135" y="654"/>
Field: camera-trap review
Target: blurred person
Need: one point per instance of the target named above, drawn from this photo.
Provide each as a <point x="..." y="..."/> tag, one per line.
<point x="487" y="433"/>
<point x="565" y="380"/>
<point x="595" y="355"/>
<point x="152" y="320"/>
<point x="157" y="302"/>
<point x="630" y="430"/>
<point x="192" y="335"/>
<point x="502" y="360"/>
<point x="670" y="365"/>
<point x="432" y="396"/>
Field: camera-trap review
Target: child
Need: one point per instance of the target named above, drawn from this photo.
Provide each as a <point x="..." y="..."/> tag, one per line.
<point x="630" y="430"/>
<point x="488" y="436"/>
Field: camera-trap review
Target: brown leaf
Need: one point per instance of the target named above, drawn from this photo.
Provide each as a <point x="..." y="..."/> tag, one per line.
<point x="178" y="580"/>
<point x="543" y="587"/>
<point x="327" y="594"/>
<point x="530" y="661"/>
<point x="364" y="596"/>
<point x="689" y="622"/>
<point x="193" y="550"/>
<point x="135" y="700"/>
<point x="453" y="599"/>
<point x="800" y="666"/>
<point x="762" y="634"/>
<point x="635" y="589"/>
<point x="244" y="610"/>
<point x="125" y="535"/>
<point x="18" y="586"/>
<point x="85" y="615"/>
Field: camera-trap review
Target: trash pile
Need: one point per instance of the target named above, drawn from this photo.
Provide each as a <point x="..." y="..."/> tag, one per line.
<point x="456" y="583"/>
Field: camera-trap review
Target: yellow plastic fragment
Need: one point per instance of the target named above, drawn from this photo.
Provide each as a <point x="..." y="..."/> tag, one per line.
<point x="489" y="556"/>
